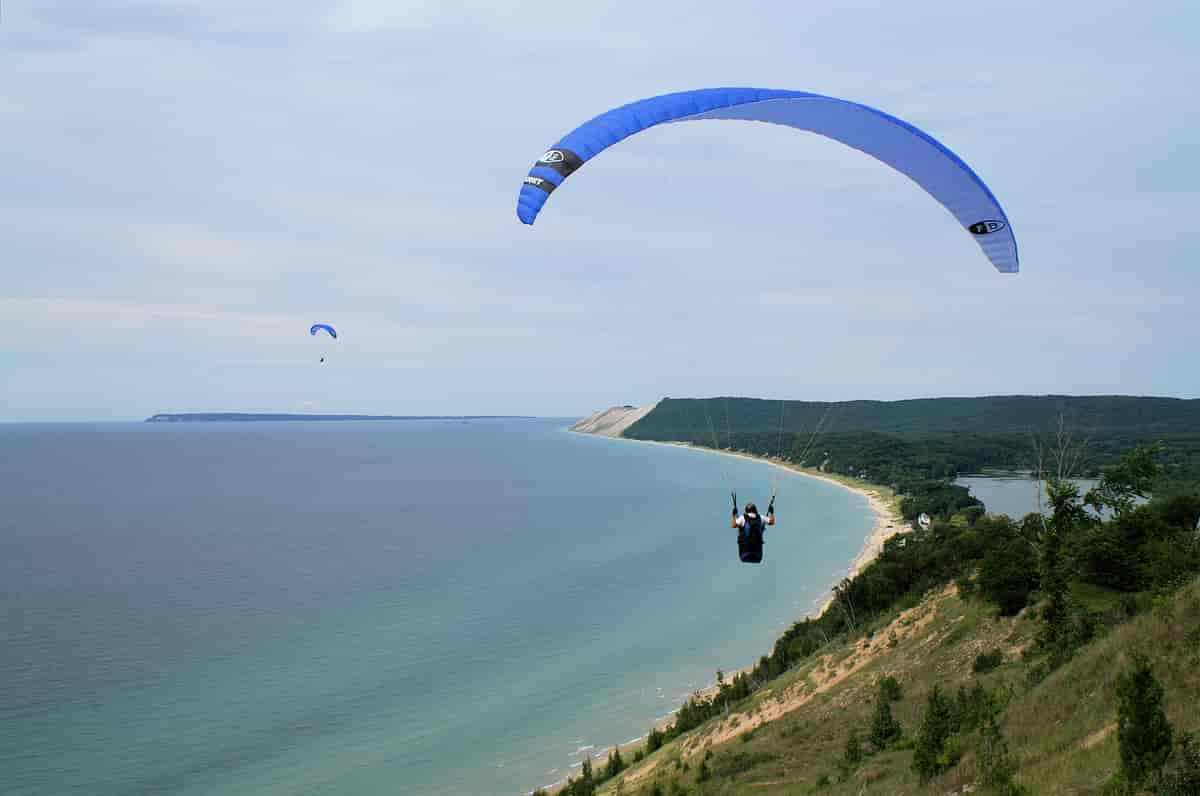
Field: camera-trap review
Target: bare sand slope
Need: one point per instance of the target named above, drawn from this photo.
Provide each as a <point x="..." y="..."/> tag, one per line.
<point x="612" y="422"/>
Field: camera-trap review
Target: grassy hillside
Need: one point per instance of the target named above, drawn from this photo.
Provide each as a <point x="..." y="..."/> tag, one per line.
<point x="791" y="737"/>
<point x="997" y="644"/>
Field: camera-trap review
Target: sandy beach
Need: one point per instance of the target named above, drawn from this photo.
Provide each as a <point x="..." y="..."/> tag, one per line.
<point x="888" y="522"/>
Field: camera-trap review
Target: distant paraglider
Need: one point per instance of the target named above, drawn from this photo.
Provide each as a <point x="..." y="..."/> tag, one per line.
<point x="323" y="327"/>
<point x="892" y="141"/>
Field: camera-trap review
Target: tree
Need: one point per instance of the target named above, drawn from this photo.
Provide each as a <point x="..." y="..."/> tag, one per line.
<point x="1005" y="577"/>
<point x="586" y="784"/>
<point x="936" y="727"/>
<point x="885" y="730"/>
<point x="615" y="765"/>
<point x="1143" y="733"/>
<point x="1067" y="516"/>
<point x="841" y="594"/>
<point x="995" y="765"/>
<point x="854" y="752"/>
<point x="1123" y="484"/>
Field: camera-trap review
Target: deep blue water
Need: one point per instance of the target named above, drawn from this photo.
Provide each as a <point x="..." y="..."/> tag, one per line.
<point x="375" y="607"/>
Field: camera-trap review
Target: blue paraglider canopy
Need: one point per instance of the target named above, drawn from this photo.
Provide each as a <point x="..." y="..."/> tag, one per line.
<point x="318" y="327"/>
<point x="896" y="143"/>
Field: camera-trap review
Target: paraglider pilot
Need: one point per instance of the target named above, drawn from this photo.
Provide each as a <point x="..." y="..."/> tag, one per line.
<point x="751" y="526"/>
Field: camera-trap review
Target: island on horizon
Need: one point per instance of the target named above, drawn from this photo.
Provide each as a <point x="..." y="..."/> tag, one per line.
<point x="256" y="417"/>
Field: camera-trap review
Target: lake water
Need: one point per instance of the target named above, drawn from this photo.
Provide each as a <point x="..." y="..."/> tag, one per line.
<point x="1014" y="495"/>
<point x="372" y="607"/>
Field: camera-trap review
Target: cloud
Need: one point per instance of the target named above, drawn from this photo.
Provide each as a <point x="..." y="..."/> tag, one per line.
<point x="184" y="178"/>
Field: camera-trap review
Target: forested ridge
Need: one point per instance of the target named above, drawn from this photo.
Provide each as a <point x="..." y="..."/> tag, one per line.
<point x="888" y="442"/>
<point x="1002" y="414"/>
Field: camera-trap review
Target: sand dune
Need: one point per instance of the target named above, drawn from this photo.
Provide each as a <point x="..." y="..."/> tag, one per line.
<point x="613" y="421"/>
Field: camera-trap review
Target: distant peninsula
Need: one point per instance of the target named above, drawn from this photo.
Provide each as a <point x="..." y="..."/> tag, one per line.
<point x="251" y="417"/>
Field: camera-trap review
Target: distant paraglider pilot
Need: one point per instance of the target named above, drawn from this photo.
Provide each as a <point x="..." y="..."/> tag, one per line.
<point x="323" y="327"/>
<point x="751" y="527"/>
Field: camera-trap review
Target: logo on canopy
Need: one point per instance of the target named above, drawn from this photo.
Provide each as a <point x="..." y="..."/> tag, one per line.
<point x="985" y="227"/>
<point x="552" y="156"/>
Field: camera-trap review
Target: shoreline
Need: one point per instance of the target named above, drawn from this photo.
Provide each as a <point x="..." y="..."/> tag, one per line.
<point x="888" y="523"/>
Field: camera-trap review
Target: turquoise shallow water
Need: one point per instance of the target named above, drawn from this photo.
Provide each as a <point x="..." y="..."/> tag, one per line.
<point x="372" y="608"/>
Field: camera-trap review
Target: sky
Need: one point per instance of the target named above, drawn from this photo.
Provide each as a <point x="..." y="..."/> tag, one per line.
<point x="188" y="185"/>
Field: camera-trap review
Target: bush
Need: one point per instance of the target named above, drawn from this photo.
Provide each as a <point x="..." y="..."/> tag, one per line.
<point x="971" y="708"/>
<point x="889" y="687"/>
<point x="615" y="765"/>
<point x="854" y="752"/>
<point x="1143" y="732"/>
<point x="1006" y="577"/>
<point x="951" y="753"/>
<point x="995" y="767"/>
<point x="885" y="730"/>
<point x="987" y="661"/>
<point x="1184" y="778"/>
<point x="936" y="727"/>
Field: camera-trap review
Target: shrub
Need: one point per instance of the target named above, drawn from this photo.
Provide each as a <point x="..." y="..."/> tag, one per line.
<point x="971" y="708"/>
<point x="615" y="765"/>
<point x="1005" y="576"/>
<point x="854" y="752"/>
<point x="987" y="661"/>
<point x="1184" y="778"/>
<point x="995" y="767"/>
<point x="885" y="730"/>
<point x="1143" y="732"/>
<point x="936" y="727"/>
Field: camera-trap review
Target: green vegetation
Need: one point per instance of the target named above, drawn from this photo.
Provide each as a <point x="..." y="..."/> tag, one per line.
<point x="885" y="730"/>
<point x="1022" y="668"/>
<point x="987" y="661"/>
<point x="1143" y="733"/>
<point x="894" y="442"/>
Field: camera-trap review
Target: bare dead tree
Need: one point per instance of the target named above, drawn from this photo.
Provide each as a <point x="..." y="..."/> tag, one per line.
<point x="842" y="592"/>
<point x="1060" y="456"/>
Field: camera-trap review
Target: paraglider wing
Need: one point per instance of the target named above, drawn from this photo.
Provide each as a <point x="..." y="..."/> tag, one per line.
<point x="318" y="327"/>
<point x="897" y="143"/>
